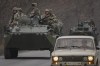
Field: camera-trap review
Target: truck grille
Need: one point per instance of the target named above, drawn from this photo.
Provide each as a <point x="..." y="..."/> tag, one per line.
<point x="72" y="58"/>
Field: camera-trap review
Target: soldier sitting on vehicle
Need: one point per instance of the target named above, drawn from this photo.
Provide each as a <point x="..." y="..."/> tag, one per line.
<point x="48" y="18"/>
<point x="92" y="23"/>
<point x="35" y="11"/>
<point x="54" y="25"/>
<point x="17" y="16"/>
<point x="35" y="14"/>
<point x="14" y="11"/>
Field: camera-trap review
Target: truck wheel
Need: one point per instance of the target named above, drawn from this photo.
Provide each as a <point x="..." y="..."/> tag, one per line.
<point x="10" y="53"/>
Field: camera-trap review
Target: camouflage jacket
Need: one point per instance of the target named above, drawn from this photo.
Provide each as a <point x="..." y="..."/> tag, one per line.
<point x="35" y="12"/>
<point x="17" y="16"/>
<point x="48" y="19"/>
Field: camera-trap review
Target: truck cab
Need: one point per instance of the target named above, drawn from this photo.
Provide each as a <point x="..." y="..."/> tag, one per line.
<point x="75" y="51"/>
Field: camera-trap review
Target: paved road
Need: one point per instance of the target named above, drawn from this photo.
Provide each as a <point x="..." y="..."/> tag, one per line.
<point x="29" y="58"/>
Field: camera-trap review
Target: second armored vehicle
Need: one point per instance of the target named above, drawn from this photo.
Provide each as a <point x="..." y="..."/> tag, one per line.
<point x="85" y="28"/>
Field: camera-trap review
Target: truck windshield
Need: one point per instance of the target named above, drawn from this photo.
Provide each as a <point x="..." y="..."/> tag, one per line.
<point x="74" y="43"/>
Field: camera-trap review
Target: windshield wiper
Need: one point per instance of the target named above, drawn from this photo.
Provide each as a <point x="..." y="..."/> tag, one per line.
<point x="69" y="47"/>
<point x="64" y="47"/>
<point x="61" y="47"/>
<point x="75" y="46"/>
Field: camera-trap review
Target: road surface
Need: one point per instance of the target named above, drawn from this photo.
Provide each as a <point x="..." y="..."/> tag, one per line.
<point x="29" y="58"/>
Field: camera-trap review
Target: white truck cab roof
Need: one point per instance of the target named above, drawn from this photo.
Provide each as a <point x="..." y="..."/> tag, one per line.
<point x="75" y="37"/>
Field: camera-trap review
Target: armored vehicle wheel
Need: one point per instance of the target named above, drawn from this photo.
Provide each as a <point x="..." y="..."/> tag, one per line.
<point x="10" y="53"/>
<point x="14" y="53"/>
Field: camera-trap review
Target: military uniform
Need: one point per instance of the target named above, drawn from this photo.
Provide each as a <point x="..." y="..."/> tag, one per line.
<point x="18" y="15"/>
<point x="35" y="14"/>
<point x="92" y="23"/>
<point x="48" y="18"/>
<point x="14" y="11"/>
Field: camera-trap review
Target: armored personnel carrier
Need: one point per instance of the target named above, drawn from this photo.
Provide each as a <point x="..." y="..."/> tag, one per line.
<point x="28" y="35"/>
<point x="85" y="28"/>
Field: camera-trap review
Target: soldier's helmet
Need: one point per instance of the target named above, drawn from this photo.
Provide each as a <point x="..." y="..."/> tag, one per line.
<point x="91" y="19"/>
<point x="34" y="4"/>
<point x="50" y="10"/>
<point x="47" y="10"/>
<point x="86" y="21"/>
<point x="15" y="8"/>
<point x="20" y="9"/>
<point x="80" y="24"/>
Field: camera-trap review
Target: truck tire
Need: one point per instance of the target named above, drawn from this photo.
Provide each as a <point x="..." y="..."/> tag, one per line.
<point x="10" y="53"/>
<point x="7" y="53"/>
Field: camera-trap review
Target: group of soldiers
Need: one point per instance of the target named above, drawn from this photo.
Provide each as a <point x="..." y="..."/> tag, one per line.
<point x="90" y="23"/>
<point x="48" y="18"/>
<point x="35" y="18"/>
<point x="84" y="28"/>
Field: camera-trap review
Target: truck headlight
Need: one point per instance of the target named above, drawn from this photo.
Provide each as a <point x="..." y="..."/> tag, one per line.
<point x="90" y="58"/>
<point x="55" y="58"/>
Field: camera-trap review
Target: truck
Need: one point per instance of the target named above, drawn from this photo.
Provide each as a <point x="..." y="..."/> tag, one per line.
<point x="27" y="35"/>
<point x="75" y="51"/>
